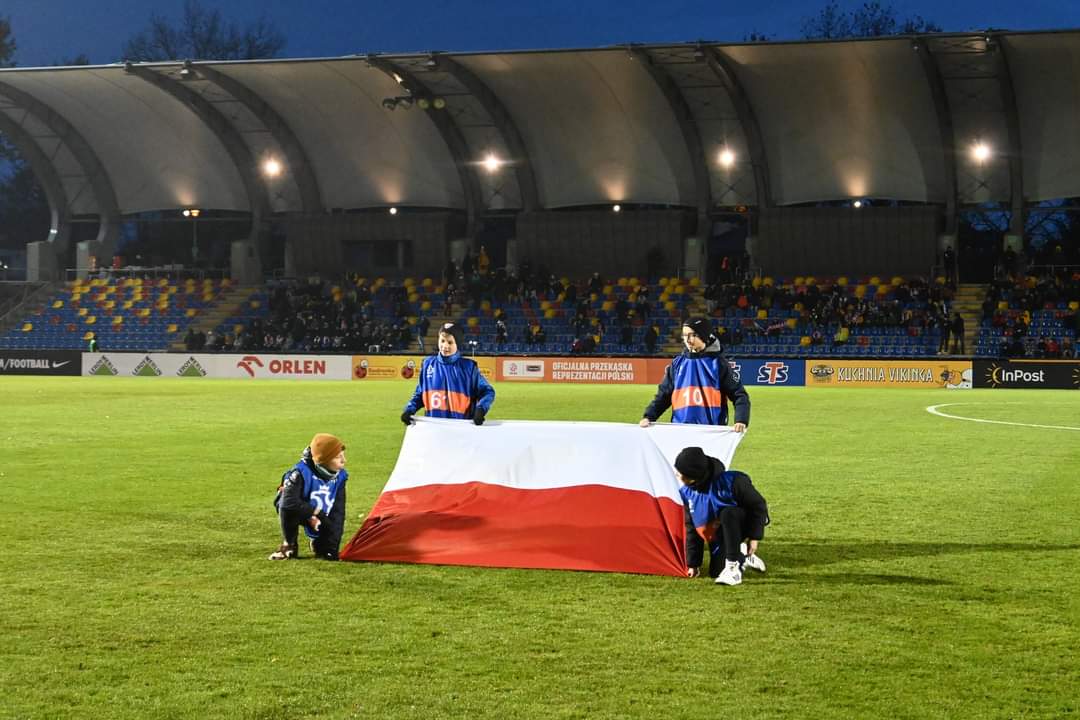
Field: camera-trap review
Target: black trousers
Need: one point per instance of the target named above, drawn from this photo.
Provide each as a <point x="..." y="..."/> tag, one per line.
<point x="734" y="528"/>
<point x="330" y="532"/>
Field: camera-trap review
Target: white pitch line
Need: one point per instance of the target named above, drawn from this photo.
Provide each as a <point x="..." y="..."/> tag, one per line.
<point x="933" y="410"/>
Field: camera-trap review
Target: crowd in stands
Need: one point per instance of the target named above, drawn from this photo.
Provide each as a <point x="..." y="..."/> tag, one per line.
<point x="1028" y="316"/>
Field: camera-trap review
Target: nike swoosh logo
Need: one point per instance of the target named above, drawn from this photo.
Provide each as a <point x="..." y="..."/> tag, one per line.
<point x="60" y="364"/>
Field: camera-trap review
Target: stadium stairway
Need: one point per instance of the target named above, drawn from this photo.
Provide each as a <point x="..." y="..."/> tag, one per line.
<point x="34" y="304"/>
<point x="230" y="303"/>
<point x="968" y="302"/>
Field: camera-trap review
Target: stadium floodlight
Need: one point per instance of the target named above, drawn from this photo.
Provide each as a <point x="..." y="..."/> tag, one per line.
<point x="271" y="167"/>
<point x="857" y="204"/>
<point x="439" y="103"/>
<point x="616" y="208"/>
<point x="423" y="103"/>
<point x="980" y="152"/>
<point x="727" y="157"/>
<point x="492" y="163"/>
<point x="191" y="212"/>
<point x="393" y="211"/>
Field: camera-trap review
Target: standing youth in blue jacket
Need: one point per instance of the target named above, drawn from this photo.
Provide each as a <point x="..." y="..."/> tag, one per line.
<point x="698" y="384"/>
<point x="723" y="509"/>
<point x="451" y="386"/>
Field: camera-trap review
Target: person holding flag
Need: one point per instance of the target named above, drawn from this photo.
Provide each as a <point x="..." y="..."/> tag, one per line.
<point x="698" y="383"/>
<point x="449" y="385"/>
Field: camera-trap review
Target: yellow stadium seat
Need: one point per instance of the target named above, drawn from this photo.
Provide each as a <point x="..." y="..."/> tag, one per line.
<point x="664" y="297"/>
<point x="485" y="305"/>
<point x="632" y="297"/>
<point x="226" y="282"/>
<point x="426" y="305"/>
<point x="884" y="289"/>
<point x="897" y="281"/>
<point x="545" y="305"/>
<point x="608" y="306"/>
<point x="1003" y="305"/>
<point x="791" y="323"/>
<point x="413" y="319"/>
<point x="811" y="280"/>
<point x="88" y="336"/>
<point x="756" y="282"/>
<point x="190" y="312"/>
<point x="414" y="297"/>
<point x="940" y="280"/>
<point x="75" y="296"/>
<point x="548" y="314"/>
<point x="799" y="307"/>
<point x="83" y="312"/>
<point x="608" y="289"/>
<point x="472" y="322"/>
<point x="90" y="320"/>
<point x="632" y="282"/>
<point x="560" y="297"/>
<point x="594" y="321"/>
<point x="171" y="328"/>
<point x="427" y="282"/>
<point x="875" y="280"/>
<point x="143" y="312"/>
<point x="842" y="281"/>
<point x="118" y="320"/>
<point x="409" y="282"/>
<point x="804" y="340"/>
<point x="671" y="306"/>
<point x="621" y="282"/>
<point x="860" y="291"/>
<point x="27" y="327"/>
<point x="768" y="281"/>
<point x="762" y="314"/>
<point x="1074" y="305"/>
<point x="695" y="282"/>
<point x="110" y="304"/>
<point x="58" y="303"/>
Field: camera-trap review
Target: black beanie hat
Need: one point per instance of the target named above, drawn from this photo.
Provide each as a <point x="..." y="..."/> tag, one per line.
<point x="454" y="330"/>
<point x="701" y="326"/>
<point x="693" y="464"/>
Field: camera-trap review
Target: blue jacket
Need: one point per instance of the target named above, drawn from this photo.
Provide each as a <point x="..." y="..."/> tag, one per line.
<point x="451" y="387"/>
<point x="704" y="504"/>
<point x="303" y="489"/>
<point x="697" y="386"/>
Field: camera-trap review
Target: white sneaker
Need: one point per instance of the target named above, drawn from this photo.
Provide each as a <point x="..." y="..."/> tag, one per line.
<point x="731" y="574"/>
<point x="754" y="563"/>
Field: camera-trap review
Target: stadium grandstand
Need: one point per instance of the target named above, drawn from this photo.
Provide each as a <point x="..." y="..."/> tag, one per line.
<point x="344" y="204"/>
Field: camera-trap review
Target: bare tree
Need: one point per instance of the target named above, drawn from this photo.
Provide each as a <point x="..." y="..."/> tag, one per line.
<point x="871" y="19"/>
<point x="203" y="34"/>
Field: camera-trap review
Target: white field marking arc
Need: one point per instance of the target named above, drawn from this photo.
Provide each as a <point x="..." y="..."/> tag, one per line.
<point x="933" y="410"/>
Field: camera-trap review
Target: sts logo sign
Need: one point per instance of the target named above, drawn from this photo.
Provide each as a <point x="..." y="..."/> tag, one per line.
<point x="773" y="372"/>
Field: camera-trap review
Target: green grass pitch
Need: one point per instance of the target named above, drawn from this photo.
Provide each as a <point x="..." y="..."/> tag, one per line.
<point x="919" y="567"/>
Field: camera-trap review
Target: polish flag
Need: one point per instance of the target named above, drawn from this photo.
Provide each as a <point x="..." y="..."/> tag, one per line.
<point x="525" y="494"/>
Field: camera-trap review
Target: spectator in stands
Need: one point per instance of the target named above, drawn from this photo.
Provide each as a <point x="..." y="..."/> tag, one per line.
<point x="422" y="326"/>
<point x="1068" y="349"/>
<point x="957" y="328"/>
<point x="450" y="386"/>
<point x="949" y="259"/>
<point x="211" y="341"/>
<point x="539" y="334"/>
<point x="641" y="307"/>
<point x="596" y="284"/>
<point x="652" y="334"/>
<point x="483" y="262"/>
<point x="626" y="335"/>
<point x="500" y="332"/>
<point x="312" y="496"/>
<point x="189" y="339"/>
<point x="843" y="334"/>
<point x="698" y="383"/>
<point x="92" y="346"/>
<point x="724" y="509"/>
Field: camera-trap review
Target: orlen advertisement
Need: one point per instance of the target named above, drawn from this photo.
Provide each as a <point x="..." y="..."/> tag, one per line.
<point x="254" y="366"/>
<point x="770" y="372"/>
<point x="404" y="367"/>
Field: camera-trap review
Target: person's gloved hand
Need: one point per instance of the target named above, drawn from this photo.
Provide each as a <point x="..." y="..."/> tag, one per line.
<point x="406" y="417"/>
<point x="478" y="416"/>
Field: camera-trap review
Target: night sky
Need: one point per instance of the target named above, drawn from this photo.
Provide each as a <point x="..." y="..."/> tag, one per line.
<point x="49" y="30"/>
